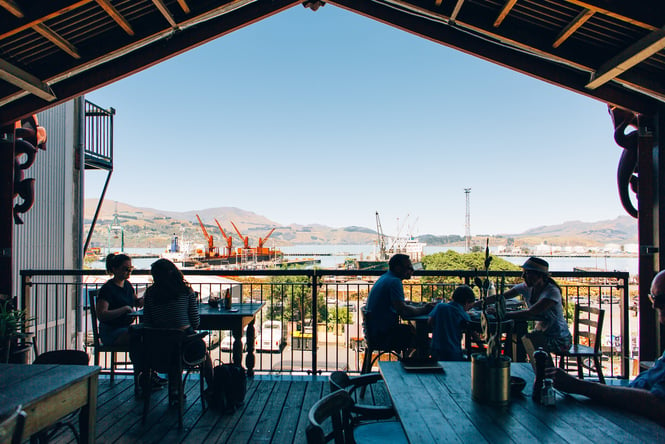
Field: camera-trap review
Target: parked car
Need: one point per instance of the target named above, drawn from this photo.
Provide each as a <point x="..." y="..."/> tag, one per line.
<point x="272" y="337"/>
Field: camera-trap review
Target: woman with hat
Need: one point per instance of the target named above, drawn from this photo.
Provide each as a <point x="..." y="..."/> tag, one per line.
<point x="545" y="305"/>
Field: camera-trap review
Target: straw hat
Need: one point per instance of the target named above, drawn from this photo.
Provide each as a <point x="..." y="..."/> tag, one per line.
<point x="536" y="264"/>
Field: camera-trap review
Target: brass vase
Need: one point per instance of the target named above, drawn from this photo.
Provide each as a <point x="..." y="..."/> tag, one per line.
<point x="490" y="379"/>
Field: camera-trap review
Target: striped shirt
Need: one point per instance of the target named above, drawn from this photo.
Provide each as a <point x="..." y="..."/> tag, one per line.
<point x="180" y="312"/>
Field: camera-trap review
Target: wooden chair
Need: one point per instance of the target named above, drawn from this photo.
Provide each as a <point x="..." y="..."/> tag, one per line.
<point x="340" y="380"/>
<point x="11" y="427"/>
<point x="62" y="357"/>
<point x="588" y="324"/>
<point x="371" y="348"/>
<point x="330" y="420"/>
<point x="161" y="351"/>
<point x="97" y="345"/>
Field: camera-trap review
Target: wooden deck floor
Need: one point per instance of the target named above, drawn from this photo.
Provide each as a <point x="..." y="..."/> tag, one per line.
<point x="275" y="411"/>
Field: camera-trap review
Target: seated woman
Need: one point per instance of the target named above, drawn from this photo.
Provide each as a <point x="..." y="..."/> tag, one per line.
<point x="171" y="303"/>
<point x="116" y="300"/>
<point x="544" y="302"/>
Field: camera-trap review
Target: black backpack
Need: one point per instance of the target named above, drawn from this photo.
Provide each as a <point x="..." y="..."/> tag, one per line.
<point x="229" y="385"/>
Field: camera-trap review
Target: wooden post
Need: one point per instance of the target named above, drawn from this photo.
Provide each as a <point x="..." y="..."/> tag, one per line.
<point x="6" y="208"/>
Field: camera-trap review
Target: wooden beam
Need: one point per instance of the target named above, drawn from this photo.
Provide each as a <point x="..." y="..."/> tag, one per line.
<point x="504" y="12"/>
<point x="143" y="57"/>
<point x="115" y="15"/>
<point x="573" y="26"/>
<point x="25" y="81"/>
<point x="44" y="18"/>
<point x="629" y="57"/>
<point x="456" y="9"/>
<point x="529" y="61"/>
<point x="57" y="40"/>
<point x="12" y="7"/>
<point x="185" y="7"/>
<point x="621" y="17"/>
<point x="165" y="12"/>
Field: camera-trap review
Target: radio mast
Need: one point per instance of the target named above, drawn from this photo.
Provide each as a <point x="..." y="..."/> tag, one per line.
<point x="467" y="220"/>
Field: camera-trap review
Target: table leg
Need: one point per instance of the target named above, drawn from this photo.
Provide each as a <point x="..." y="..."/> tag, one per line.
<point x="249" y="359"/>
<point x="237" y="346"/>
<point x="88" y="414"/>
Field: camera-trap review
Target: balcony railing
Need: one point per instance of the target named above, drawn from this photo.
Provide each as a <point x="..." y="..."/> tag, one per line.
<point x="319" y="310"/>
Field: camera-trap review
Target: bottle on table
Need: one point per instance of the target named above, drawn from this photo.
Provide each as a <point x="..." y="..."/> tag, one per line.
<point x="540" y="356"/>
<point x="548" y="397"/>
<point x="227" y="299"/>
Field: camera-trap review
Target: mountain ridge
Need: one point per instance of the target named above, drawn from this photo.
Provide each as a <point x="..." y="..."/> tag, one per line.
<point x="149" y="227"/>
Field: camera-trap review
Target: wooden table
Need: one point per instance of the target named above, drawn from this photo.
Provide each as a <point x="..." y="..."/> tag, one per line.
<point x="438" y="408"/>
<point x="236" y="319"/>
<point x="50" y="392"/>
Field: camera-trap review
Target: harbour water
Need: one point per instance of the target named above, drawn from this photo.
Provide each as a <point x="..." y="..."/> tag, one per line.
<point x="333" y="255"/>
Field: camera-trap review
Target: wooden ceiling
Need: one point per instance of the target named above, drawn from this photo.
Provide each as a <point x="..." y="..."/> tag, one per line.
<point x="612" y="50"/>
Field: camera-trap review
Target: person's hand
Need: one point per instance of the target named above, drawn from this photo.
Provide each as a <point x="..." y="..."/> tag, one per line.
<point x="128" y="309"/>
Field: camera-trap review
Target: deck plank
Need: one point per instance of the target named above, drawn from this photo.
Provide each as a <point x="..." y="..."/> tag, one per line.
<point x="288" y="423"/>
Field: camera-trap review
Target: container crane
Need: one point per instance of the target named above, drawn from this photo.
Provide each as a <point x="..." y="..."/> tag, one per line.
<point x="262" y="241"/>
<point x="211" y="250"/>
<point x="229" y="239"/>
<point x="245" y="239"/>
<point x="381" y="237"/>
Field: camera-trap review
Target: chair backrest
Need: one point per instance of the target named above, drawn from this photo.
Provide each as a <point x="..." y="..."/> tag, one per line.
<point x="64" y="357"/>
<point x="329" y="419"/>
<point x="92" y="299"/>
<point x="588" y="324"/>
<point x="11" y="427"/>
<point x="161" y="348"/>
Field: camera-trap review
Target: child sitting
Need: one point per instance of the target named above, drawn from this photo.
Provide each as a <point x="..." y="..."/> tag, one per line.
<point x="447" y="321"/>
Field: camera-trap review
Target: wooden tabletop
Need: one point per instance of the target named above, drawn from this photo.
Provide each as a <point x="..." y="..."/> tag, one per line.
<point x="438" y="408"/>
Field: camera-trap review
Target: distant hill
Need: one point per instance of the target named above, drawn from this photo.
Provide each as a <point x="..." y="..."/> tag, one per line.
<point x="149" y="227"/>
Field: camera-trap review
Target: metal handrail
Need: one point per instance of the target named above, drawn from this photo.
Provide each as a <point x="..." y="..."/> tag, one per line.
<point x="285" y="296"/>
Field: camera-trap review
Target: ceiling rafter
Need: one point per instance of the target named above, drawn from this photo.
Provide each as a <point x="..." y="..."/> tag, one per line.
<point x="43" y="30"/>
<point x="26" y="81"/>
<point x="504" y="12"/>
<point x="629" y="57"/>
<point x="57" y="40"/>
<point x="196" y="31"/>
<point x="12" y="7"/>
<point x="535" y="63"/>
<point x="159" y="4"/>
<point x="573" y="26"/>
<point x="456" y="10"/>
<point x="599" y="9"/>
<point x="116" y="16"/>
<point x="185" y="7"/>
<point x="44" y="18"/>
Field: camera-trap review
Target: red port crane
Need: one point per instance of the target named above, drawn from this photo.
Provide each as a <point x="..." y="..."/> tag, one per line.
<point x="263" y="241"/>
<point x="211" y="243"/>
<point x="245" y="239"/>
<point x="229" y="239"/>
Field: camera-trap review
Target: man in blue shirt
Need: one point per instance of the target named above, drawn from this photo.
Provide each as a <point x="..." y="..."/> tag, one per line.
<point x="385" y="304"/>
<point x="448" y="321"/>
<point x="646" y="394"/>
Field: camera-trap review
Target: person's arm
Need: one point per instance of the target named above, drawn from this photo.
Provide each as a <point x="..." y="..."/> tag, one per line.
<point x="491" y="299"/>
<point x="105" y="315"/>
<point x="532" y="312"/>
<point x="406" y="310"/>
<point x="634" y="400"/>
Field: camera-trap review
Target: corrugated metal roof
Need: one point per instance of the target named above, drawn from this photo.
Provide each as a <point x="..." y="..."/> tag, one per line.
<point x="612" y="50"/>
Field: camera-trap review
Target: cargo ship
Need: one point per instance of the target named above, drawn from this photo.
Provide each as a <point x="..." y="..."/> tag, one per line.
<point x="210" y="255"/>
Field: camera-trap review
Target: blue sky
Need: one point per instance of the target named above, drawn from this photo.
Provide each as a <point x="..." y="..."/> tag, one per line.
<point x="327" y="116"/>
